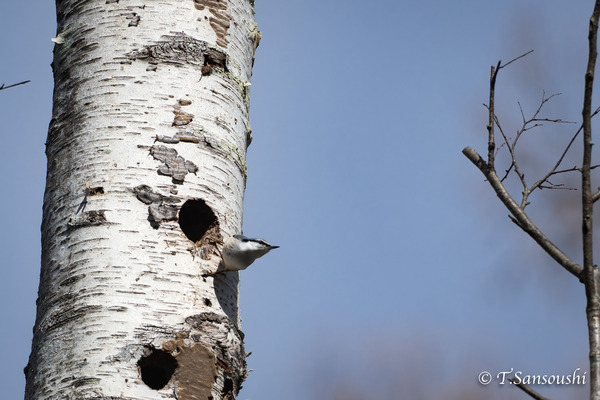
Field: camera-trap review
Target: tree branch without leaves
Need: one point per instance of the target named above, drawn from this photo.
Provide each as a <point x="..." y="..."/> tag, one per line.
<point x="520" y="217"/>
<point x="587" y="201"/>
<point x="527" y="389"/>
<point x="3" y="86"/>
<point x="588" y="274"/>
<point x="528" y="124"/>
<point x="518" y="214"/>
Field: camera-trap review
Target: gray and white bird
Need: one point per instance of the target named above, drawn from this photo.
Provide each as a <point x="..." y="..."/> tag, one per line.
<point x="240" y="251"/>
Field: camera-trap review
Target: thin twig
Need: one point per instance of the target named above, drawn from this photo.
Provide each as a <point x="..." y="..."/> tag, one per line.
<point x="557" y="186"/>
<point x="3" y="86"/>
<point x="514" y="59"/>
<point x="560" y="160"/>
<point x="527" y="389"/>
<point x="528" y="124"/>
<point x="511" y="151"/>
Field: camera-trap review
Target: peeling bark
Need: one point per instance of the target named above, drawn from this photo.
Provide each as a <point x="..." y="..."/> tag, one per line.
<point x="146" y="175"/>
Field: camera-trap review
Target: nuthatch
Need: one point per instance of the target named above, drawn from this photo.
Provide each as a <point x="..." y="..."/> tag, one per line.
<point x="239" y="251"/>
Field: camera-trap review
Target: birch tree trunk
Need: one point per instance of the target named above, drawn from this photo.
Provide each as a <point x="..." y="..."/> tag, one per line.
<point x="146" y="175"/>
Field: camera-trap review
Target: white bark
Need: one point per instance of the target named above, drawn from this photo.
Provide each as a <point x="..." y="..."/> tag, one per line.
<point x="150" y="112"/>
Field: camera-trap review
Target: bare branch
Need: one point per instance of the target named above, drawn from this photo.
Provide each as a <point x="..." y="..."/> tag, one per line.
<point x="520" y="217"/>
<point x="587" y="200"/>
<point x="488" y="169"/>
<point x="522" y="114"/>
<point x="511" y="150"/>
<point x="589" y="273"/>
<point x="528" y="124"/>
<point x="514" y="59"/>
<point x="554" y="171"/>
<point x="527" y="389"/>
<point x="560" y="186"/>
<point x="3" y="86"/>
<point x="560" y="160"/>
<point x="491" y="115"/>
<point x="596" y="196"/>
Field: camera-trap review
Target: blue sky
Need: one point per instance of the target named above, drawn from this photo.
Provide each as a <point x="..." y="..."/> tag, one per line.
<point x="397" y="263"/>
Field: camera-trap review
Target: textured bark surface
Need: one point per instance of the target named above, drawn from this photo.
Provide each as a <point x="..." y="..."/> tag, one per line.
<point x="146" y="175"/>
